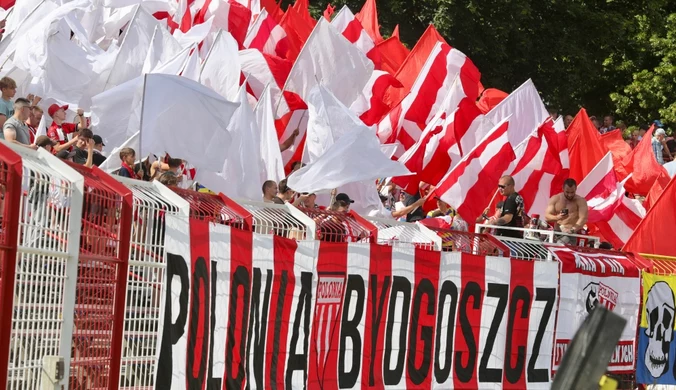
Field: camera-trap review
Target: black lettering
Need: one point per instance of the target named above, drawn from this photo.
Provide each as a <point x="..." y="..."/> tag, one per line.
<point x="513" y="373"/>
<point x="448" y="289"/>
<point x="465" y="373"/>
<point x="547" y="295"/>
<point x="298" y="362"/>
<point x="493" y="375"/>
<point x="213" y="383"/>
<point x="258" y="324"/>
<point x="399" y="285"/>
<point x="348" y="329"/>
<point x="418" y="374"/>
<point x="239" y="280"/>
<point x="283" y="281"/>
<point x="376" y="319"/>
<point x="201" y="283"/>
<point x="172" y="332"/>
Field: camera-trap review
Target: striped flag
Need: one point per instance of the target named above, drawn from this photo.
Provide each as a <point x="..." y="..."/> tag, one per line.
<point x="469" y="186"/>
<point x="615" y="215"/>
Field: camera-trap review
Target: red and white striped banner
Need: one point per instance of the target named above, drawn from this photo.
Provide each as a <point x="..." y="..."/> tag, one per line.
<point x="260" y="311"/>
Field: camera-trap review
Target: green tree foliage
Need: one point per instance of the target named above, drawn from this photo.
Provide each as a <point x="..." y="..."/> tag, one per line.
<point x="606" y="55"/>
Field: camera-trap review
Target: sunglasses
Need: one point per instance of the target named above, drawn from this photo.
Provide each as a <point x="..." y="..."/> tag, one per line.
<point x="500" y="186"/>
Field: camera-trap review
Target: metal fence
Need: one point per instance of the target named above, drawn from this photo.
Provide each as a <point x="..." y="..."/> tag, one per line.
<point x="41" y="195"/>
<point x="101" y="281"/>
<point x="146" y="280"/>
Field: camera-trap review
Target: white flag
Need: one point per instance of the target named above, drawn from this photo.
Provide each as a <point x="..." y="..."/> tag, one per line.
<point x="184" y="118"/>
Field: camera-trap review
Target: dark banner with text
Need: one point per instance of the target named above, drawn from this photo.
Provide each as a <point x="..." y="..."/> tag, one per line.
<point x="251" y="311"/>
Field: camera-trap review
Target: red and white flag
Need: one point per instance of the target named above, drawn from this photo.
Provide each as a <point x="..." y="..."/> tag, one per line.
<point x="469" y="186"/>
<point x="266" y="35"/>
<point x="370" y="106"/>
<point x="406" y="122"/>
<point x="602" y="191"/>
<point x="229" y="16"/>
<point x="351" y="28"/>
<point x="436" y="150"/>
<point x="540" y="173"/>
<point x="615" y="215"/>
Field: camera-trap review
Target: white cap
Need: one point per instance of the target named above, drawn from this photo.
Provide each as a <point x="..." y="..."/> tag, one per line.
<point x="660" y="132"/>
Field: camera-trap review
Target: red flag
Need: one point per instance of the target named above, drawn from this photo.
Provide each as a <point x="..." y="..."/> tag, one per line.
<point x="584" y="146"/>
<point x="273" y="9"/>
<point x="7" y="4"/>
<point x="302" y="7"/>
<point x="651" y="235"/>
<point x="642" y="165"/>
<point x="656" y="190"/>
<point x="616" y="145"/>
<point x="297" y="32"/>
<point x="328" y="12"/>
<point x="490" y="98"/>
<point x="410" y="68"/>
<point x="368" y="16"/>
<point x="392" y="53"/>
<point x="469" y="186"/>
<point x="395" y="32"/>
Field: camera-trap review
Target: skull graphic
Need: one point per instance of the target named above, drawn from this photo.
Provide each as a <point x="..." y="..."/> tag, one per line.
<point x="592" y="298"/>
<point x="660" y="314"/>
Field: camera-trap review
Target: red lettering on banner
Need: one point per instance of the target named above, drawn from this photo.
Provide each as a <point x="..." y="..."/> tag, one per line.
<point x="198" y="328"/>
<point x="518" y="315"/>
<point x="284" y="252"/>
<point x="238" y="313"/>
<point x="607" y="296"/>
<point x="466" y="355"/>
<point x="623" y="355"/>
<point x="332" y="270"/>
<point x="378" y="296"/>
<point x="422" y="321"/>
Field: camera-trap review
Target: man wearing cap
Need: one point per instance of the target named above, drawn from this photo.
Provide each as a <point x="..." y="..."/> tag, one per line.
<point x="343" y="197"/>
<point x="98" y="158"/>
<point x="660" y="145"/>
<point x="60" y="131"/>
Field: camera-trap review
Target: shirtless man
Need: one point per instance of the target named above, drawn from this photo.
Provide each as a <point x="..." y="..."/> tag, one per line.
<point x="567" y="210"/>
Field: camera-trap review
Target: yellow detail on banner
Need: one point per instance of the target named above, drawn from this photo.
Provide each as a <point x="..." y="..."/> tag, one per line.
<point x="658" y="292"/>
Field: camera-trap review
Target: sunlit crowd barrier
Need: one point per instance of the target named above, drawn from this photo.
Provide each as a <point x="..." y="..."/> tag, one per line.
<point x="83" y="266"/>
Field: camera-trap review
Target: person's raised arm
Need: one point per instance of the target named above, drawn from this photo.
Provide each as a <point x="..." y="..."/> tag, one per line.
<point x="289" y="141"/>
<point x="90" y="154"/>
<point x="550" y="213"/>
<point x="81" y="124"/>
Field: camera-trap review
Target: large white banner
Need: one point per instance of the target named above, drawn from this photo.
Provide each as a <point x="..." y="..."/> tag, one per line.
<point x="588" y="280"/>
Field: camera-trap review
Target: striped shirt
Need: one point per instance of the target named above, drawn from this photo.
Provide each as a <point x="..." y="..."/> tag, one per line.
<point x="657" y="149"/>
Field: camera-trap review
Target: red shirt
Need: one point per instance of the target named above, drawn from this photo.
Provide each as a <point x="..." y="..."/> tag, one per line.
<point x="31" y="132"/>
<point x="60" y="134"/>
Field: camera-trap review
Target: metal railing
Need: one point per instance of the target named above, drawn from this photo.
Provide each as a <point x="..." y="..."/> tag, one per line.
<point x="282" y="220"/>
<point x="392" y="232"/>
<point x="533" y="248"/>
